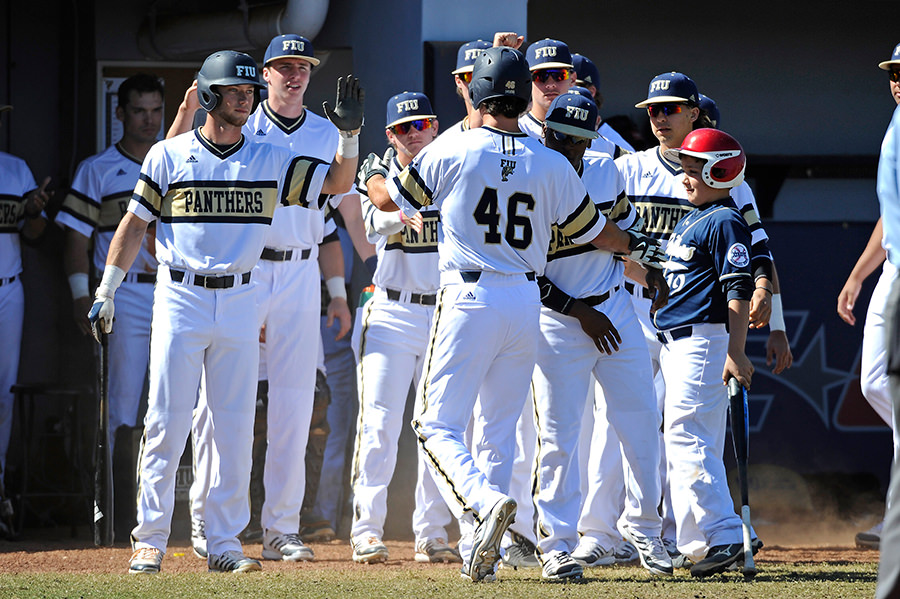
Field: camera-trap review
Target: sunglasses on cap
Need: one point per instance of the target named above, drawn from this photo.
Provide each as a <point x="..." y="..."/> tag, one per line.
<point x="564" y="138"/>
<point x="558" y="74"/>
<point x="666" y="109"/>
<point x="420" y="125"/>
<point x="466" y="77"/>
<point x="894" y="74"/>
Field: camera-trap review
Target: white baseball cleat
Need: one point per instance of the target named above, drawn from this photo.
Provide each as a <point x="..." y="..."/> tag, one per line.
<point x="198" y="538"/>
<point x="288" y="548"/>
<point x="871" y="538"/>
<point x="232" y="561"/>
<point x="369" y="550"/>
<point x="651" y="551"/>
<point x="436" y="551"/>
<point x="486" y="547"/>
<point x="145" y="560"/>
<point x="591" y="554"/>
<point x="558" y="566"/>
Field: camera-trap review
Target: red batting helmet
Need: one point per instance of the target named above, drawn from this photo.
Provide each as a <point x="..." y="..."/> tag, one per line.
<point x="724" y="156"/>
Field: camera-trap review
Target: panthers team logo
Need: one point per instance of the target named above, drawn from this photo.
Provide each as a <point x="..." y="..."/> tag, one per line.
<point x="507" y="167"/>
<point x="738" y="255"/>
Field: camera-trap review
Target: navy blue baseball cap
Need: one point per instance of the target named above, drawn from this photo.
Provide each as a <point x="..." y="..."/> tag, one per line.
<point x="585" y="71"/>
<point x="408" y="106"/>
<point x="893" y="62"/>
<point x="577" y="89"/>
<point x="466" y="55"/>
<point x="549" y="54"/>
<point x="573" y="114"/>
<point x="671" y="87"/>
<point x="290" y="45"/>
<point x="709" y="106"/>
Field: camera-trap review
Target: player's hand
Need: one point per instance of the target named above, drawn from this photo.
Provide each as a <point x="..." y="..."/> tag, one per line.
<point x="645" y="250"/>
<point x="190" y="103"/>
<point x="847" y="301"/>
<point x="656" y="281"/>
<point x="597" y="326"/>
<point x="415" y="222"/>
<point x="739" y="367"/>
<point x="510" y="39"/>
<point x="80" y="309"/>
<point x="338" y="308"/>
<point x="349" y="105"/>
<point x="37" y="200"/>
<point x="101" y="316"/>
<point x="371" y="166"/>
<point x="778" y="348"/>
<point x="760" y="308"/>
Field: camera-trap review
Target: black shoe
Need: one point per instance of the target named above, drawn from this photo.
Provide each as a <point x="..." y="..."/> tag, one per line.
<point x="755" y="545"/>
<point x="717" y="560"/>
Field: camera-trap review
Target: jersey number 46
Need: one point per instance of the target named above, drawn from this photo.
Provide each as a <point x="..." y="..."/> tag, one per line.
<point x="518" y="231"/>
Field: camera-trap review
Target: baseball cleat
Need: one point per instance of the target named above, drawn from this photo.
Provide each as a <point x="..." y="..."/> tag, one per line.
<point x="679" y="560"/>
<point x="288" y="548"/>
<point x="590" y="554"/>
<point x="486" y="547"/>
<point x="198" y="538"/>
<point x="755" y="545"/>
<point x="652" y="553"/>
<point x="436" y="551"/>
<point x="717" y="560"/>
<point x="232" y="561"/>
<point x="317" y="532"/>
<point x="145" y="560"/>
<point x="625" y="552"/>
<point x="558" y="566"/>
<point x="521" y="554"/>
<point x="870" y="539"/>
<point x="369" y="550"/>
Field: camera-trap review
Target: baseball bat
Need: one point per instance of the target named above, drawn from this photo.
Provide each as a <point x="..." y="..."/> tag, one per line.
<point x="740" y="434"/>
<point x="103" y="489"/>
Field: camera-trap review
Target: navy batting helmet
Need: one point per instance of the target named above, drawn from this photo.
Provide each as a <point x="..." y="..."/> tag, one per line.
<point x="226" y="67"/>
<point x="500" y="73"/>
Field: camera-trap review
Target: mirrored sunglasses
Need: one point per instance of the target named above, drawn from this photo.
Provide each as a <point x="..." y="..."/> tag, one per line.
<point x="420" y="125"/>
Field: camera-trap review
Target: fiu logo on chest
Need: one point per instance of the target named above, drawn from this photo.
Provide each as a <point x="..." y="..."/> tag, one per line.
<point x="507" y="167"/>
<point x="579" y="114"/>
<point x="407" y="105"/>
<point x="548" y="52"/>
<point x="245" y="71"/>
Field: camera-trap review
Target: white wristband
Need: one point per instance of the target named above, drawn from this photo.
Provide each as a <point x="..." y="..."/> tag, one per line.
<point x="112" y="278"/>
<point x="776" y="321"/>
<point x="348" y="147"/>
<point x="78" y="283"/>
<point x="336" y="287"/>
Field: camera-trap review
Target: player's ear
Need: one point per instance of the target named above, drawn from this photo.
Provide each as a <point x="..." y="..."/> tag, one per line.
<point x="120" y="113"/>
<point x="695" y="113"/>
<point x="435" y="126"/>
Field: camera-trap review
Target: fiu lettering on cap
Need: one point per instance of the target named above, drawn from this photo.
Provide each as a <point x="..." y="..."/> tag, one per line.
<point x="288" y="45"/>
<point x="507" y="167"/>
<point x="407" y="105"/>
<point x="661" y="85"/>
<point x="245" y="71"/>
<point x="574" y="112"/>
<point x="473" y="53"/>
<point x="545" y="52"/>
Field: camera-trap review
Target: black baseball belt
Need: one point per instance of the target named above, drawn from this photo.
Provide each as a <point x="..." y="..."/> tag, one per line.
<point x="211" y="281"/>
<point x="414" y="298"/>
<point x="596" y="300"/>
<point x="283" y="255"/>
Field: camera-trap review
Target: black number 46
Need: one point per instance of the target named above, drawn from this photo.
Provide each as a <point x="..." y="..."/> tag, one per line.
<point x="518" y="232"/>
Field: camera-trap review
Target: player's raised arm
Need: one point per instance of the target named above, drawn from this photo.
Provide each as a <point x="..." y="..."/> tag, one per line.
<point x="347" y="116"/>
<point x="184" y="118"/>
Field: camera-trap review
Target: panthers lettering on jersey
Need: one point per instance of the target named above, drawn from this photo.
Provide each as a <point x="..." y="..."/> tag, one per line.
<point x="16" y="181"/>
<point x="211" y="202"/>
<point x="708" y="248"/>
<point x="99" y="198"/>
<point x="521" y="187"/>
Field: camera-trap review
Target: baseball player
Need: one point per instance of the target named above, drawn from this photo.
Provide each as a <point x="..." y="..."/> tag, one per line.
<point x="21" y="205"/>
<point x="873" y="365"/>
<point x="92" y="210"/>
<point x="588" y="76"/>
<point x="566" y="358"/>
<point x="703" y="329"/>
<point x="462" y="76"/>
<point x="214" y="195"/>
<point x="393" y="337"/>
<point x="287" y="281"/>
<point x="486" y="327"/>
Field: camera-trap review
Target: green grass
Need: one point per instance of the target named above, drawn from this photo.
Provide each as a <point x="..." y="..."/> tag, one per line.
<point x="773" y="581"/>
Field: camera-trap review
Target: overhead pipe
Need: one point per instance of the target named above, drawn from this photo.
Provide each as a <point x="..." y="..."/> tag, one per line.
<point x="246" y="29"/>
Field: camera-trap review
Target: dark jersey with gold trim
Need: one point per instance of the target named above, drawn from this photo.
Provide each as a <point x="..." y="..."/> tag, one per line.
<point x="214" y="204"/>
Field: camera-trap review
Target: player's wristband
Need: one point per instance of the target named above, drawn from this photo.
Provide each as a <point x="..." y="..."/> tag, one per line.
<point x="776" y="321"/>
<point x="348" y="147"/>
<point x="112" y="278"/>
<point x="78" y="283"/>
<point x="336" y="287"/>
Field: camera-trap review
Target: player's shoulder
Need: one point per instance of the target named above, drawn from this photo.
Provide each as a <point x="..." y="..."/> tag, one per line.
<point x="8" y="161"/>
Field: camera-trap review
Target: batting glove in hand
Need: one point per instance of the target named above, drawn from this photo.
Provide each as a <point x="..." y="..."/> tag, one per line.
<point x="101" y="316"/>
<point x="349" y="105"/>
<point x="645" y="250"/>
<point x="374" y="165"/>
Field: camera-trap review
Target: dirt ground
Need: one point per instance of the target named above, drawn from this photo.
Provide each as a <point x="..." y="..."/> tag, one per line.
<point x="66" y="556"/>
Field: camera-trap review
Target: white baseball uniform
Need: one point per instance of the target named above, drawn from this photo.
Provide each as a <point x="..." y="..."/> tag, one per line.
<point x="94" y="206"/>
<point x="393" y="338"/>
<point x="533" y="127"/>
<point x="213" y="205"/>
<point x="16" y="181"/>
<point x="563" y="381"/>
<point x="873" y="365"/>
<point x="486" y="329"/>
